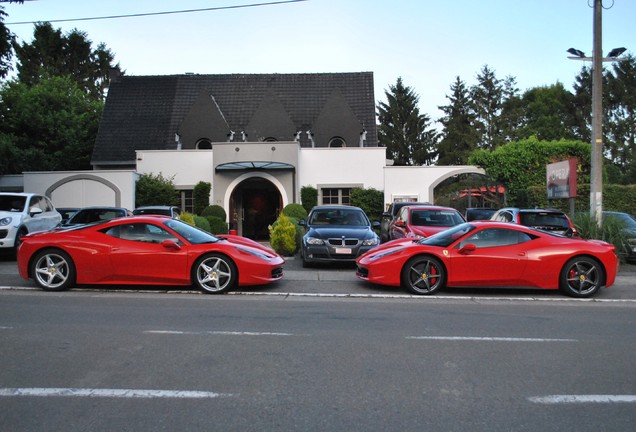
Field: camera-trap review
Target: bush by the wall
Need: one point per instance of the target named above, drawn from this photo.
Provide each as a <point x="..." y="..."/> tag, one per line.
<point x="282" y="236"/>
<point x="308" y="197"/>
<point x="370" y="200"/>
<point x="295" y="211"/>
<point x="215" y="210"/>
<point x="201" y="196"/>
<point x="217" y="225"/>
<point x="201" y="222"/>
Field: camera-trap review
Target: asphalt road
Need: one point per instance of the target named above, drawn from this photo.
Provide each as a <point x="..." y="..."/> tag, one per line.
<point x="147" y="361"/>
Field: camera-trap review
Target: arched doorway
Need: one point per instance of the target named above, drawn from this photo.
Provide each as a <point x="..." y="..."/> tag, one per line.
<point x="255" y="204"/>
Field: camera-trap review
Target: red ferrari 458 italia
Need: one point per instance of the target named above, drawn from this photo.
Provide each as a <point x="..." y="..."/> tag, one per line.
<point x="491" y="255"/>
<point x="145" y="250"/>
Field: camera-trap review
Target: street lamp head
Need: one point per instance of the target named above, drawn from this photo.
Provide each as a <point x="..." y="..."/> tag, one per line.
<point x="576" y="52"/>
<point x="616" y="52"/>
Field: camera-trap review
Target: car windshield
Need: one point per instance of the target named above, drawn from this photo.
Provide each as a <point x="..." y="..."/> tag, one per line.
<point x="94" y="215"/>
<point x="447" y="237"/>
<point x="149" y="211"/>
<point x="435" y="218"/>
<point x="12" y="203"/>
<point x="339" y="217"/>
<point x="627" y="220"/>
<point x="544" y="220"/>
<point x="193" y="234"/>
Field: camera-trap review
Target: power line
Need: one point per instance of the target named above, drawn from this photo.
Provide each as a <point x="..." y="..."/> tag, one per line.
<point x="159" y="13"/>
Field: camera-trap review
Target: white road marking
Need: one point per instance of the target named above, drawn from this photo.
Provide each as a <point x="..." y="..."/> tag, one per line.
<point x="490" y="339"/>
<point x="569" y="399"/>
<point x="225" y="333"/>
<point x="110" y="393"/>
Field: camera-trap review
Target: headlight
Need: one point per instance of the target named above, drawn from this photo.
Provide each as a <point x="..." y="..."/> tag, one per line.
<point x="314" y="241"/>
<point x="370" y="242"/>
<point x="5" y="221"/>
<point x="253" y="252"/>
<point x="387" y="253"/>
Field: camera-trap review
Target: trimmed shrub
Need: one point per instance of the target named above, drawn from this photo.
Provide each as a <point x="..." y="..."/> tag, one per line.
<point x="370" y="200"/>
<point x="201" y="196"/>
<point x="187" y="218"/>
<point x="201" y="222"/>
<point x="295" y="211"/>
<point x="308" y="197"/>
<point x="217" y="225"/>
<point x="214" y="210"/>
<point x="282" y="236"/>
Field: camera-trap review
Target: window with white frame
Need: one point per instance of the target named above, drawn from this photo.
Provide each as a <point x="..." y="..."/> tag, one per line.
<point x="336" y="196"/>
<point x="186" y="200"/>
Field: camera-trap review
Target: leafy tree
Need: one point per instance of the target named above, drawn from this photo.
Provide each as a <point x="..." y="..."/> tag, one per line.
<point x="155" y="189"/>
<point x="548" y="113"/>
<point x="7" y="40"/>
<point x="52" y="53"/>
<point x="51" y="125"/>
<point x="459" y="136"/>
<point x="405" y="132"/>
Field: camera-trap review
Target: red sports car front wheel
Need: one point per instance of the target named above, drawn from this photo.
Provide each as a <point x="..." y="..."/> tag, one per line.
<point x="423" y="275"/>
<point x="214" y="274"/>
<point x="53" y="270"/>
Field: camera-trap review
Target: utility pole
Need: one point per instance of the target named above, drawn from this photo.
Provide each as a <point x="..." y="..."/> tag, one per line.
<point x="596" y="182"/>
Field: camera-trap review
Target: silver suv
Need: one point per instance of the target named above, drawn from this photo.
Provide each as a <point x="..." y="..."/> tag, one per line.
<point x="23" y="213"/>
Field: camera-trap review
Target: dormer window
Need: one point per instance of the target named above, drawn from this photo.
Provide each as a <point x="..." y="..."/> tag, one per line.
<point x="337" y="142"/>
<point x="204" y="144"/>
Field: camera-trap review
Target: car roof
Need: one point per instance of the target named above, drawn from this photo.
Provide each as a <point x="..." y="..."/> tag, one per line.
<point x="23" y="194"/>
<point x="430" y="207"/>
<point x="335" y="207"/>
<point x="159" y="207"/>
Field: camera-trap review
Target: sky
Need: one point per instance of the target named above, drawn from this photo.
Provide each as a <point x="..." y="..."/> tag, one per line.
<point x="428" y="43"/>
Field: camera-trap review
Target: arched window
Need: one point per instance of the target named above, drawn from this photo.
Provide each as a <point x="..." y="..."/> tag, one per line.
<point x="204" y="144"/>
<point x="337" y="142"/>
<point x="270" y="139"/>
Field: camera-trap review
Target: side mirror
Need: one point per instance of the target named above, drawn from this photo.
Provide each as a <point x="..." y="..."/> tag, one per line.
<point x="302" y="223"/>
<point x="376" y="224"/>
<point x="467" y="248"/>
<point x="35" y="211"/>
<point x="400" y="224"/>
<point x="170" y="245"/>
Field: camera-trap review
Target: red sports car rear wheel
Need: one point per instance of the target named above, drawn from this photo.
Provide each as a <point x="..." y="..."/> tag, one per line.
<point x="423" y="275"/>
<point x="582" y="277"/>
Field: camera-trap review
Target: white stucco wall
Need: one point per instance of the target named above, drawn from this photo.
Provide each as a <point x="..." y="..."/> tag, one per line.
<point x="341" y="167"/>
<point x="84" y="188"/>
<point x="188" y="167"/>
<point x="418" y="182"/>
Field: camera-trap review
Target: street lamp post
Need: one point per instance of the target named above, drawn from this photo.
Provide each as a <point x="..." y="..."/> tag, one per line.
<point x="596" y="181"/>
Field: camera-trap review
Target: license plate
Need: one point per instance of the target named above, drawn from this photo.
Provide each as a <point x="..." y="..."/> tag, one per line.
<point x="343" y="251"/>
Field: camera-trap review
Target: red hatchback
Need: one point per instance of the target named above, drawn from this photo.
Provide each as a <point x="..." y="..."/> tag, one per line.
<point x="423" y="221"/>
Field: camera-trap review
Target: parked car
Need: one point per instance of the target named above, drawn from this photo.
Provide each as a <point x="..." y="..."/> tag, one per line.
<point x="479" y="213"/>
<point x="389" y="215"/>
<point x="336" y="233"/>
<point x="94" y="214"/>
<point x="489" y="255"/>
<point x="149" y="250"/>
<point x="172" y="211"/>
<point x="423" y="221"/>
<point x="23" y="213"/>
<point x="66" y="212"/>
<point x="552" y="220"/>
<point x="629" y="229"/>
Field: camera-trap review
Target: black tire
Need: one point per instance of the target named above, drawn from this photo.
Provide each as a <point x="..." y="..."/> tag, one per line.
<point x="423" y="275"/>
<point x="53" y="270"/>
<point x="214" y="274"/>
<point x="18" y="239"/>
<point x="581" y="277"/>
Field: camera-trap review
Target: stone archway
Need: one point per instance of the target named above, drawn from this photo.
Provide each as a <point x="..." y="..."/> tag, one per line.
<point x="255" y="203"/>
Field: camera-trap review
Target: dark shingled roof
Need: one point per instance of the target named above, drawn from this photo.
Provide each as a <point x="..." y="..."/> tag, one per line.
<point x="145" y="112"/>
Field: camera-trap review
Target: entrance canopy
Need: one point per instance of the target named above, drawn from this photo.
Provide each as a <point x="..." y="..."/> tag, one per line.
<point x="250" y="165"/>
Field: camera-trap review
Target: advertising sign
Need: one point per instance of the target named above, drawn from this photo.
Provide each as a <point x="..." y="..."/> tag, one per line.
<point x="561" y="179"/>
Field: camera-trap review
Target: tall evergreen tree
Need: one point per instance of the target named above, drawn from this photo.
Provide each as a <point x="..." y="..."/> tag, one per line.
<point x="512" y="111"/>
<point x="487" y="98"/>
<point x="52" y="53"/>
<point x="405" y="132"/>
<point x="459" y="136"/>
<point x="6" y="46"/>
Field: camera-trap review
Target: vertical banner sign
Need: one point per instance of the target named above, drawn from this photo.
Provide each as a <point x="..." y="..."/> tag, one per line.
<point x="561" y="179"/>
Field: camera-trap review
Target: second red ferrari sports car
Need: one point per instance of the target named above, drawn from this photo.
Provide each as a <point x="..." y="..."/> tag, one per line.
<point x="145" y="250"/>
<point x="491" y="255"/>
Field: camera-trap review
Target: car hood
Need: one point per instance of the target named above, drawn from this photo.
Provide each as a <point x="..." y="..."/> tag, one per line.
<point x="427" y="231"/>
<point x="244" y="241"/>
<point x="321" y="232"/>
